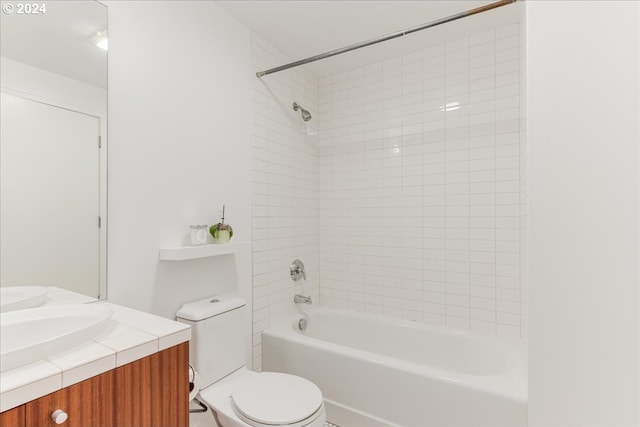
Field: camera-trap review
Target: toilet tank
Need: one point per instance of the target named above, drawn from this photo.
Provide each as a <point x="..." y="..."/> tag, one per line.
<point x="217" y="346"/>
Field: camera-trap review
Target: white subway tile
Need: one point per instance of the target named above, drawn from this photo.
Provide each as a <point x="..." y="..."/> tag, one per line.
<point x="482" y="49"/>
<point x="506" y="31"/>
<point x="455" y="91"/>
<point x="508" y="90"/>
<point x="486" y="315"/>
<point x="373" y="68"/>
<point x="508" y="294"/>
<point x="507" y="138"/>
<point x="385" y="144"/>
<point x="458" y="67"/>
<point x="507" y="79"/>
<point x="456" y="77"/>
<point x="508" y="222"/>
<point x="507" y="199"/>
<point x="512" y="307"/>
<point x="507" y="186"/>
<point x="455" y="45"/>
<point x="482" y="84"/>
<point x="482" y="286"/>
<point x="432" y="51"/>
<point x="507" y="43"/>
<point x="456" y="56"/>
<point x="482" y="257"/>
<point x="486" y="71"/>
<point x="507" y="55"/>
<point x="481" y="38"/>
<point x="433" y="72"/>
<point x="511" y="246"/>
<point x="507" y="210"/>
<point x="476" y="96"/>
<point x="485" y="302"/>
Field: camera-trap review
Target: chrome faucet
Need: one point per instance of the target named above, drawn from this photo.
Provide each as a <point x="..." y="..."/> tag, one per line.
<point x="301" y="299"/>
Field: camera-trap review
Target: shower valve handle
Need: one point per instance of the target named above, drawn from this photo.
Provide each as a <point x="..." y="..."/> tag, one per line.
<point x="296" y="270"/>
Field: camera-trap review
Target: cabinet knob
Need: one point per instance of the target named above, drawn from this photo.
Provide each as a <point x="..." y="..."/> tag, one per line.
<point x="59" y="416"/>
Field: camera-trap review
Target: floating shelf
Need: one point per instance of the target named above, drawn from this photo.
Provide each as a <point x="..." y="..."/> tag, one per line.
<point x="202" y="251"/>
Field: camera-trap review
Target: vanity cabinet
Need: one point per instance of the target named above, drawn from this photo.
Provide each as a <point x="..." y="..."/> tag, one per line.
<point x="150" y="392"/>
<point x="13" y="417"/>
<point x="154" y="391"/>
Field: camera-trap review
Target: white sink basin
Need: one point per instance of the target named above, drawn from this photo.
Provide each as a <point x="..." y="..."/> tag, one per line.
<point x="36" y="333"/>
<point x="19" y="297"/>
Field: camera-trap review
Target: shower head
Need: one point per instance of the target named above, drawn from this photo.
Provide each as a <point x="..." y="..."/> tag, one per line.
<point x="306" y="116"/>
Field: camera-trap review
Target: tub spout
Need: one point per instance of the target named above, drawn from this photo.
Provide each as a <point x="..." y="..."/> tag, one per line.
<point x="301" y="299"/>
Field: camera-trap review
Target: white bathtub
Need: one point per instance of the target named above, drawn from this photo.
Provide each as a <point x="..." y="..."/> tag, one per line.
<point x="377" y="371"/>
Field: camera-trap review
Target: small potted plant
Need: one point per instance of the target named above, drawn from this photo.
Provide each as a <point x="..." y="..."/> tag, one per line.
<point x="221" y="232"/>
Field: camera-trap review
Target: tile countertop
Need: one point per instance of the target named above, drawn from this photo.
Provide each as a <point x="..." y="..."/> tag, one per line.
<point x="130" y="335"/>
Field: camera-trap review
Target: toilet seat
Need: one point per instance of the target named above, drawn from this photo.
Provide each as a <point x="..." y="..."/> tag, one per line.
<point x="276" y="399"/>
<point x="224" y="397"/>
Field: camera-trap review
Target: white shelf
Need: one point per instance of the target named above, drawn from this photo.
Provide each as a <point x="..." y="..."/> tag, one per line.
<point x="202" y="251"/>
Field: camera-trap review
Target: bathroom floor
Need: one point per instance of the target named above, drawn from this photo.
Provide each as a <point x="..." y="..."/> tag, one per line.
<point x="206" y="420"/>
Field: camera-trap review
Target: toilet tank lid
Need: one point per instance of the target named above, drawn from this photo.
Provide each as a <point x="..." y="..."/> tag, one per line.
<point x="209" y="307"/>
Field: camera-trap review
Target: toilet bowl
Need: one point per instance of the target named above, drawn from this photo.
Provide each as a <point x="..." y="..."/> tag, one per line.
<point x="265" y="399"/>
<point x="237" y="396"/>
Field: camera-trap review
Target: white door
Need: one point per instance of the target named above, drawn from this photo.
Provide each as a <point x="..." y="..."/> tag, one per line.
<point x="49" y="178"/>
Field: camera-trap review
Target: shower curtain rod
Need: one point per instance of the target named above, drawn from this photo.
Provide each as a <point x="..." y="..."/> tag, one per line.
<point x="387" y="37"/>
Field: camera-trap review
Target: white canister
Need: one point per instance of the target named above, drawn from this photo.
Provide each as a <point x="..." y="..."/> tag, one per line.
<point x="198" y="234"/>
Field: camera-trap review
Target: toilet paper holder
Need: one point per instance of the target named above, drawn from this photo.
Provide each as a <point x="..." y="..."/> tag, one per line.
<point x="192" y="385"/>
<point x="202" y="407"/>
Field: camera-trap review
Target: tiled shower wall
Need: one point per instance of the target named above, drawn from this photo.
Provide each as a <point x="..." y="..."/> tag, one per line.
<point x="423" y="202"/>
<point x="285" y="189"/>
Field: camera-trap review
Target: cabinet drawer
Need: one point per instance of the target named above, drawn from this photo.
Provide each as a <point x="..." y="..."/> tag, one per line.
<point x="86" y="404"/>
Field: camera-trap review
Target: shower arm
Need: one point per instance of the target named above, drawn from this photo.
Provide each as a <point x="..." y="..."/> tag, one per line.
<point x="335" y="52"/>
<point x="306" y="115"/>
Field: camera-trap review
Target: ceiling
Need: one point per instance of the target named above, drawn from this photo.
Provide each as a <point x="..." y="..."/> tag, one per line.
<point x="305" y="28"/>
<point x="58" y="40"/>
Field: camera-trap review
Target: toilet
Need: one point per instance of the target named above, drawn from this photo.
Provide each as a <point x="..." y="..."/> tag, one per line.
<point x="238" y="396"/>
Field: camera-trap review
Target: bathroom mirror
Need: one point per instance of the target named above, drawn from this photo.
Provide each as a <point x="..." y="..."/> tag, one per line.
<point x="53" y="82"/>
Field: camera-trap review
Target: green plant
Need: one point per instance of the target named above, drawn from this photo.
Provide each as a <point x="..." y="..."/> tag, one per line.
<point x="216" y="228"/>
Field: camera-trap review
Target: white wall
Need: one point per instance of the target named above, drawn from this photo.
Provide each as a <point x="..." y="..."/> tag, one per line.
<point x="285" y="188"/>
<point x="179" y="132"/>
<point x="35" y="83"/>
<point x="421" y="184"/>
<point x="583" y="105"/>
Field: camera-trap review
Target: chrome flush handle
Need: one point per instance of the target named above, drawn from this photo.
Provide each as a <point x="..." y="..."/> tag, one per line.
<point x="296" y="269"/>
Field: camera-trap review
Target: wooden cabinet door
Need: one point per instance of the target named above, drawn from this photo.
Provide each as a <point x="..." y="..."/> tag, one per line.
<point x="13" y="417"/>
<point x="154" y="391"/>
<point x="150" y="392"/>
<point x="87" y="404"/>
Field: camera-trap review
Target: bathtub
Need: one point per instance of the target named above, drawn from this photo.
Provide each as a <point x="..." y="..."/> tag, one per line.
<point x="377" y="371"/>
